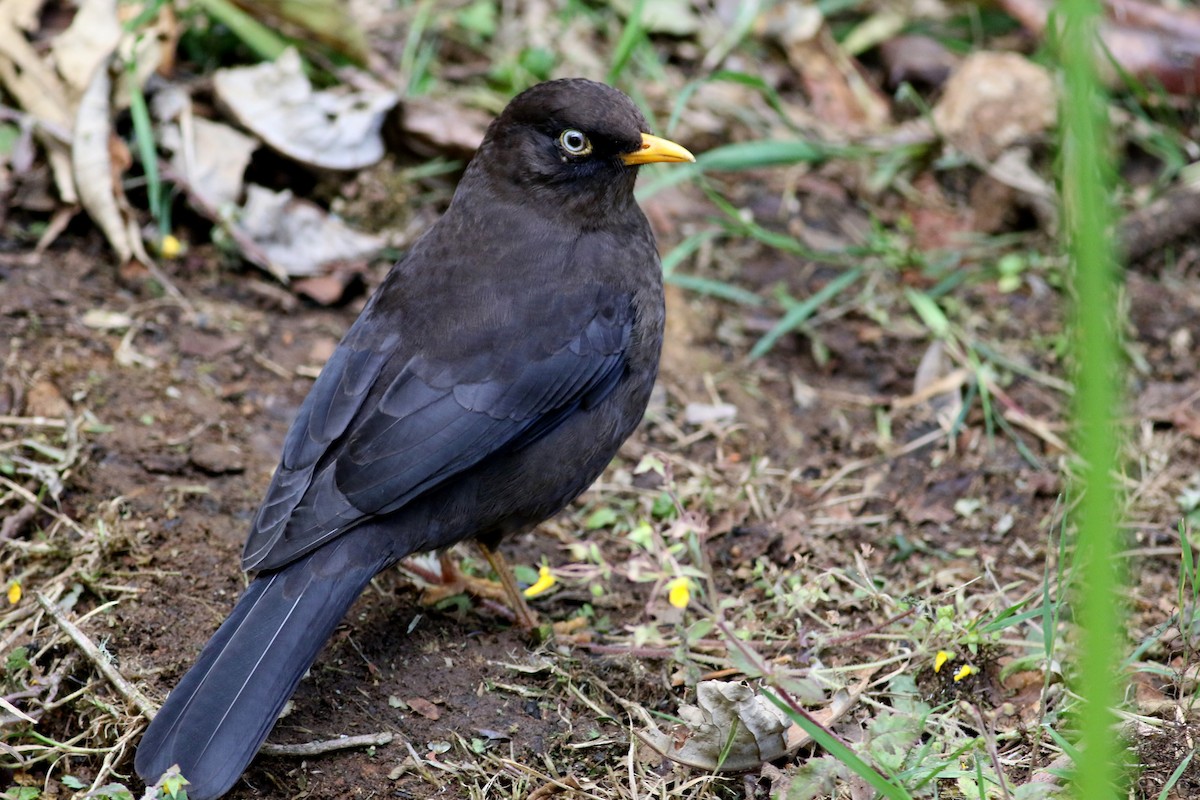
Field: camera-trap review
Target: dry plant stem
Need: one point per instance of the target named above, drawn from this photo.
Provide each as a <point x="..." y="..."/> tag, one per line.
<point x="551" y="786"/>
<point x="328" y="745"/>
<point x="114" y="757"/>
<point x="33" y="422"/>
<point x="31" y="498"/>
<point x="856" y="635"/>
<point x="989" y="738"/>
<point x="1171" y="217"/>
<point x="81" y="640"/>
<point x="863" y="463"/>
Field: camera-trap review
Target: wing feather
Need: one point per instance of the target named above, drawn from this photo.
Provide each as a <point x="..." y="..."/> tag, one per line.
<point x="372" y="436"/>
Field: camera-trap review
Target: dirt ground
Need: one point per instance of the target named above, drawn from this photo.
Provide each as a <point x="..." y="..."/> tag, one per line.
<point x="832" y="521"/>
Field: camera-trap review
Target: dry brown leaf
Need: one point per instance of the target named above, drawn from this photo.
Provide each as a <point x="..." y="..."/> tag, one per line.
<point x="424" y="708"/>
<point x="671" y="17"/>
<point x="917" y="59"/>
<point x="331" y="129"/>
<point x="327" y="289"/>
<point x="211" y="156"/>
<point x="91" y="160"/>
<point x="442" y="127"/>
<point x="38" y="90"/>
<point x="298" y="237"/>
<point x="1159" y="43"/>
<point x="45" y="400"/>
<point x="329" y="21"/>
<point x="731" y="728"/>
<point x="994" y="101"/>
<point x="87" y="43"/>
<point x="938" y="383"/>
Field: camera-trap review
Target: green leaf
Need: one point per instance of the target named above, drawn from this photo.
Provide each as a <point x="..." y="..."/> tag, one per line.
<point x="929" y="312"/>
<point x="600" y="518"/>
<point x="17" y="660"/>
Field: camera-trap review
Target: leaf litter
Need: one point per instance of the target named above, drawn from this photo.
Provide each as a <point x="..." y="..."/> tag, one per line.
<point x="874" y="491"/>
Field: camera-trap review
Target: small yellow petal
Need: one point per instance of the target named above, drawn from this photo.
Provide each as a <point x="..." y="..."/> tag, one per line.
<point x="940" y="659"/>
<point x="170" y="247"/>
<point x="966" y="672"/>
<point x="545" y="581"/>
<point x="679" y="592"/>
<point x="14" y="593"/>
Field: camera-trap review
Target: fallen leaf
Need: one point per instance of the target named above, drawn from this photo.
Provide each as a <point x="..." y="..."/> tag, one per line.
<point x="915" y="59"/>
<point x="211" y="156"/>
<point x="424" y="708"/>
<point x="442" y="127"/>
<point x="671" y="17"/>
<point x="328" y="289"/>
<point x="101" y="319"/>
<point x="335" y="128"/>
<point x="700" y="413"/>
<point x="216" y="458"/>
<point x="38" y="90"/>
<point x="87" y="42"/>
<point x="298" y="237"/>
<point x="938" y="383"/>
<point x="838" y="93"/>
<point x="731" y="728"/>
<point x="329" y="21"/>
<point x="93" y="167"/>
<point x="994" y="101"/>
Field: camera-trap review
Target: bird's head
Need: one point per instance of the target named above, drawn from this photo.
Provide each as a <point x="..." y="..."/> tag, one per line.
<point x="572" y="144"/>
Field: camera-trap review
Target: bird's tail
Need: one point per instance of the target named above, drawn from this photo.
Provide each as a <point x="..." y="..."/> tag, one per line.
<point x="215" y="720"/>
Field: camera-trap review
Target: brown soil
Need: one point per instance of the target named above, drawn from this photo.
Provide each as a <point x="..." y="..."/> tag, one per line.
<point x="804" y="485"/>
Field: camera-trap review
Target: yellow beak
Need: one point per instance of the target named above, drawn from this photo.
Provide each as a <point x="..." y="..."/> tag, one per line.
<point x="655" y="149"/>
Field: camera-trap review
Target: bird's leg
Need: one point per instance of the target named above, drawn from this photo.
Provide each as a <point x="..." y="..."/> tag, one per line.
<point x="506" y="594"/>
<point x="516" y="599"/>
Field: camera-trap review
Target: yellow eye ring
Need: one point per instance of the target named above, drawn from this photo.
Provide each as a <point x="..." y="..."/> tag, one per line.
<point x="576" y="143"/>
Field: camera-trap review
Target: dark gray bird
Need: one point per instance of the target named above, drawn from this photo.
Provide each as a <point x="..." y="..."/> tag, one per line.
<point x="488" y="382"/>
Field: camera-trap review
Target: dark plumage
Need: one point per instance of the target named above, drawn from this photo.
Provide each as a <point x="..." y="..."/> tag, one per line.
<point x="486" y="384"/>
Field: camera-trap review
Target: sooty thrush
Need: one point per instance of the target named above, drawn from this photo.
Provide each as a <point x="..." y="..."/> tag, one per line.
<point x="485" y="385"/>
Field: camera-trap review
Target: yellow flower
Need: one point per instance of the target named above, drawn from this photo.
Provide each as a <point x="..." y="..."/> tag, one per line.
<point x="544" y="582"/>
<point x="966" y="672"/>
<point x="940" y="659"/>
<point x="14" y="593"/>
<point x="679" y="592"/>
<point x="170" y="247"/>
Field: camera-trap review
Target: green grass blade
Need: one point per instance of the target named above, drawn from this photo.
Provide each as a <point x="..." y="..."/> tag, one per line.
<point x="631" y="36"/>
<point x="840" y="751"/>
<point x="686" y="248"/>
<point x="143" y="135"/>
<point x="1175" y="776"/>
<point x="766" y="153"/>
<point x="254" y="34"/>
<point x="802" y="311"/>
<point x="714" y="288"/>
<point x="1085" y="186"/>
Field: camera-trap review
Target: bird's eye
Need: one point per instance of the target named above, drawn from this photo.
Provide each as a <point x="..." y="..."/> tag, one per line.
<point x="575" y="142"/>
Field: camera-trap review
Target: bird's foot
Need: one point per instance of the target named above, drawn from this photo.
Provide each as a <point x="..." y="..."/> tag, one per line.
<point x="503" y="596"/>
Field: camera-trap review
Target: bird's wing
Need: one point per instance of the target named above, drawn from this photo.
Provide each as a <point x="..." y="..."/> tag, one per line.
<point x="372" y="435"/>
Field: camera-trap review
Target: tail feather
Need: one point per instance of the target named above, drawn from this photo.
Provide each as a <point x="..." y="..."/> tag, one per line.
<point x="215" y="720"/>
